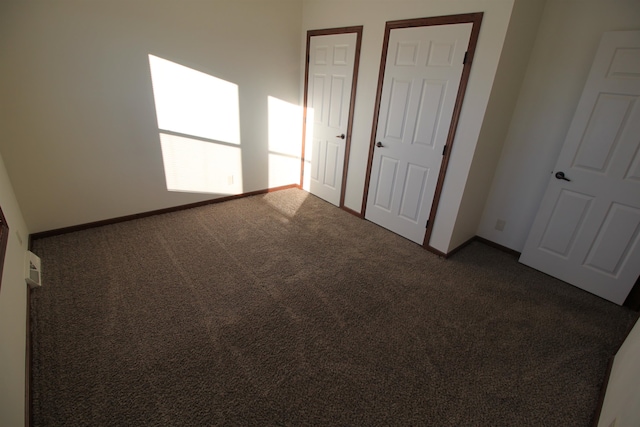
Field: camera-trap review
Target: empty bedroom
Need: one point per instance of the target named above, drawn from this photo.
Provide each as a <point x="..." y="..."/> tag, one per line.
<point x="320" y="212"/>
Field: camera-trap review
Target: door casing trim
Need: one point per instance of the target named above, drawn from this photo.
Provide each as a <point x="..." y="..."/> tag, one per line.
<point x="352" y="101"/>
<point x="475" y="19"/>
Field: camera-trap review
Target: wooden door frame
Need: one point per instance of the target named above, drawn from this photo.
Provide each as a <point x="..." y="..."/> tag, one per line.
<point x="352" y="100"/>
<point x="476" y="20"/>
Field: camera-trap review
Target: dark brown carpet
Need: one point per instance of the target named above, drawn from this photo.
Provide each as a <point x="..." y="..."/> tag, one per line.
<point x="284" y="310"/>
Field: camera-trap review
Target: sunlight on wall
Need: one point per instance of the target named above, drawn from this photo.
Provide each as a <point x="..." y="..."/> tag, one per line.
<point x="204" y="111"/>
<point x="192" y="165"/>
<point x="195" y="103"/>
<point x="308" y="150"/>
<point x="285" y="142"/>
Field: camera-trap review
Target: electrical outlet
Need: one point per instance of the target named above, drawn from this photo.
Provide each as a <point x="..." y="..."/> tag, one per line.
<point x="230" y="180"/>
<point x="500" y="224"/>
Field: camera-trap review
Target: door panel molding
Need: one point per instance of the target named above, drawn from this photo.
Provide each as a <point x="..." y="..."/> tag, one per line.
<point x="326" y="32"/>
<point x="587" y="228"/>
<point x="475" y="19"/>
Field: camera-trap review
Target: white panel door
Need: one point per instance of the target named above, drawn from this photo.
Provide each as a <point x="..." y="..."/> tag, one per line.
<point x="587" y="228"/>
<point x="422" y="74"/>
<point x="331" y="62"/>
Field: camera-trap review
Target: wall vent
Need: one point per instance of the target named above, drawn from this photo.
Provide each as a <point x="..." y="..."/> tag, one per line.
<point x="32" y="272"/>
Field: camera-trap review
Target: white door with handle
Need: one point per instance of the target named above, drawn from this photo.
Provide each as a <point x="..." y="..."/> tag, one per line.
<point x="587" y="230"/>
<point x="422" y="75"/>
<point x="329" y="84"/>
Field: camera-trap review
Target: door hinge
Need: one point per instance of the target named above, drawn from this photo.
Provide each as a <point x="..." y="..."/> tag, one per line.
<point x="444" y="149"/>
<point x="466" y="55"/>
<point x="307" y="58"/>
<point x="427" y="226"/>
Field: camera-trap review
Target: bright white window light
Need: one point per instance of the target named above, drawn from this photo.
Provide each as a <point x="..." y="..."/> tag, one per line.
<point x="197" y="166"/>
<point x="285" y="142"/>
<point x="194" y="103"/>
<point x="308" y="149"/>
<point x="204" y="110"/>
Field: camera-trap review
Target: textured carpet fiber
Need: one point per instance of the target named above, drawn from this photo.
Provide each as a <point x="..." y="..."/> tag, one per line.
<point x="281" y="309"/>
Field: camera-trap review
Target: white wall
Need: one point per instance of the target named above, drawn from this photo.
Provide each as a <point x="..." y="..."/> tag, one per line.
<point x="566" y="44"/>
<point x="80" y="137"/>
<point x="622" y="399"/>
<point x="373" y="14"/>
<point x="521" y="35"/>
<point x="13" y="310"/>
